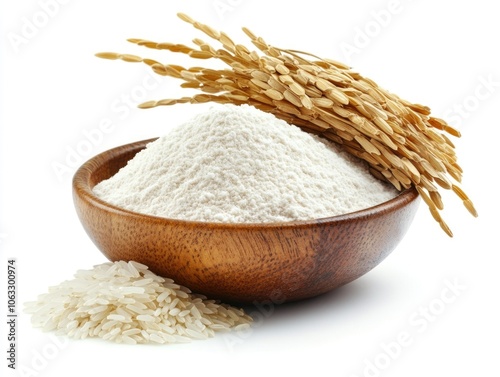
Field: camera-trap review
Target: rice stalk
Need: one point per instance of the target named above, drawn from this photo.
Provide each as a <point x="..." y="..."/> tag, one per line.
<point x="400" y="140"/>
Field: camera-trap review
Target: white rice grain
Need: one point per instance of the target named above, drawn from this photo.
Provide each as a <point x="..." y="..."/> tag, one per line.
<point x="145" y="318"/>
<point x="126" y="303"/>
<point x="116" y="317"/>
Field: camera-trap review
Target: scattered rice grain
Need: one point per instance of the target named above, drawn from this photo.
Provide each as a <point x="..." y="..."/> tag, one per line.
<point x="155" y="310"/>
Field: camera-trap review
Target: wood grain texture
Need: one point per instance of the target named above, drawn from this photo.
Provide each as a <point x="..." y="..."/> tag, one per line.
<point x="241" y="262"/>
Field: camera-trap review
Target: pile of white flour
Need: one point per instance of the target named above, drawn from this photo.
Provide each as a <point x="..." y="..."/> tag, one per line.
<point x="237" y="164"/>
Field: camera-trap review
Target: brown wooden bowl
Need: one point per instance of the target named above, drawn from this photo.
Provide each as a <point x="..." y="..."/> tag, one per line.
<point x="241" y="262"/>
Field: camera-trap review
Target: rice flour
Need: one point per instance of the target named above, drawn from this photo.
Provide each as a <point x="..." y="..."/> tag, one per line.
<point x="237" y="164"/>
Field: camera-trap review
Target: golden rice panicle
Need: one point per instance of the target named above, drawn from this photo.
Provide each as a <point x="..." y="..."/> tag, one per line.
<point x="400" y="140"/>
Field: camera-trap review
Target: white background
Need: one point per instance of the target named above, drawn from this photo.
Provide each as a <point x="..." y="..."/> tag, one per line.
<point x="54" y="92"/>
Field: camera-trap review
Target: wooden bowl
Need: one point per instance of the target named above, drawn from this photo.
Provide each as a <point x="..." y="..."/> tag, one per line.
<point x="241" y="262"/>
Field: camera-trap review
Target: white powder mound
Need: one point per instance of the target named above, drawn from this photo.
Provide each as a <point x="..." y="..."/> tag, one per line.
<point x="237" y="164"/>
<point x="124" y="302"/>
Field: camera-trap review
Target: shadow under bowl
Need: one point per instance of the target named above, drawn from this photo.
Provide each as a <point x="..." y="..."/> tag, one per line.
<point x="241" y="262"/>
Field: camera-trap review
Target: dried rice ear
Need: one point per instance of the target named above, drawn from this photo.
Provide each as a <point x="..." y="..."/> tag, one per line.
<point x="401" y="141"/>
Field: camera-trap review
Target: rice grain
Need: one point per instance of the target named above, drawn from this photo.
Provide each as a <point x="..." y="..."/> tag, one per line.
<point x="91" y="305"/>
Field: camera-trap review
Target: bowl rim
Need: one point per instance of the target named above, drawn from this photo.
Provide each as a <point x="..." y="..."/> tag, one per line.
<point x="83" y="190"/>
